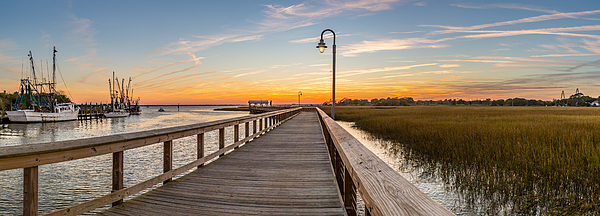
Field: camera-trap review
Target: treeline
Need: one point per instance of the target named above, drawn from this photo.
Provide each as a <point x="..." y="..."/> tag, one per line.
<point x="578" y="99"/>
<point x="7" y="100"/>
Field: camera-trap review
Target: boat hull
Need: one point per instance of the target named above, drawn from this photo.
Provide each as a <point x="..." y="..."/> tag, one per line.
<point x="30" y="116"/>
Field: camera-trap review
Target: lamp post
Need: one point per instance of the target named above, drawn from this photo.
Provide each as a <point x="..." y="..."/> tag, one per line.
<point x="299" y="94"/>
<point x="321" y="46"/>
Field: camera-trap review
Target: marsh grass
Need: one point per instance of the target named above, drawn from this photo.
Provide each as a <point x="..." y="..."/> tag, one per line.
<point x="516" y="160"/>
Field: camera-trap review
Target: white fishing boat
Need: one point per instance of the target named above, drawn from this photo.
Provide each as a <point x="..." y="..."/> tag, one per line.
<point x="117" y="100"/>
<point x="38" y="101"/>
<point x="63" y="112"/>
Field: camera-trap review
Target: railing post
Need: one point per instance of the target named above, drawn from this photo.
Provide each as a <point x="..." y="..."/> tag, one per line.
<point x="200" y="147"/>
<point x="349" y="194"/>
<point x="247" y="126"/>
<point x="236" y="133"/>
<point x="168" y="158"/>
<point x="254" y="127"/>
<point x="221" y="139"/>
<point x="260" y="124"/>
<point x="117" y="174"/>
<point x="30" y="191"/>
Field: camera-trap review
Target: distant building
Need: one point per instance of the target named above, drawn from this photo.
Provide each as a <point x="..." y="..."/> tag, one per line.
<point x="259" y="103"/>
<point x="595" y="103"/>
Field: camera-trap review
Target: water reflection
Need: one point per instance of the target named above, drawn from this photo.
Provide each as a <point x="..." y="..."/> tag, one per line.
<point x="68" y="183"/>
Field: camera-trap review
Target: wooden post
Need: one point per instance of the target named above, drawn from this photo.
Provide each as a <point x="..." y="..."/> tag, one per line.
<point x="260" y="122"/>
<point x="117" y="174"/>
<point x="200" y="147"/>
<point x="247" y="127"/>
<point x="349" y="194"/>
<point x="236" y="133"/>
<point x="254" y="127"/>
<point x="168" y="158"/>
<point x="222" y="139"/>
<point x="30" y="191"/>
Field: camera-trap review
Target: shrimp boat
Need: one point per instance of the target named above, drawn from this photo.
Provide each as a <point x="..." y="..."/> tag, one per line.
<point x="38" y="100"/>
<point x="117" y="102"/>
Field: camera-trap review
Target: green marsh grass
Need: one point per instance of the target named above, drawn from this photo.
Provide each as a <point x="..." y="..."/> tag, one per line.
<point x="515" y="160"/>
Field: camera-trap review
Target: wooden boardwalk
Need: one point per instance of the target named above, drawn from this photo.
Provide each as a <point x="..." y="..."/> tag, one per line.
<point x="283" y="172"/>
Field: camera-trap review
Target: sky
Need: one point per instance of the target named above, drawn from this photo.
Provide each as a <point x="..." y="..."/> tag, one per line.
<point x="229" y="52"/>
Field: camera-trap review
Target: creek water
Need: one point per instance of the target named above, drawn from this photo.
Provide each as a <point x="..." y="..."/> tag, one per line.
<point x="431" y="185"/>
<point x="68" y="183"/>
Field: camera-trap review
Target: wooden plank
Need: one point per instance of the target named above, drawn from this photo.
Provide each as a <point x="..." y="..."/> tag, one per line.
<point x="384" y="191"/>
<point x="168" y="159"/>
<point x="117" y="175"/>
<point x="30" y="191"/>
<point x="263" y="177"/>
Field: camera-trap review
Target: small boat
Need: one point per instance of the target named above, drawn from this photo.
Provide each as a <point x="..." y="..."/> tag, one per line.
<point x="117" y="114"/>
<point x="161" y="109"/>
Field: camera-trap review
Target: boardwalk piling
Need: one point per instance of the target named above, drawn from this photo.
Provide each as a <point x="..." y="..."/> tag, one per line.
<point x="168" y="159"/>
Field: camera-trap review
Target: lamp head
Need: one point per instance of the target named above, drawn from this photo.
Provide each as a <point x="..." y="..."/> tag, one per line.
<point x="321" y="46"/>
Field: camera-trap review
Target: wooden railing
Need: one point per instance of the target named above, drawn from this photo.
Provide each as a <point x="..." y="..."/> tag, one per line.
<point x="383" y="190"/>
<point x="29" y="157"/>
<point x="264" y="109"/>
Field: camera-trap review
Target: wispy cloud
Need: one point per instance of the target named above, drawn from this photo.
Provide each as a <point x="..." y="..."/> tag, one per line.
<point x="194" y="59"/>
<point x="563" y="55"/>
<point x="392" y="44"/>
<point x="507" y="6"/>
<point x="448" y="65"/>
<point x="318" y="38"/>
<point x="422" y="4"/>
<point x="453" y="29"/>
<point x="82" y="30"/>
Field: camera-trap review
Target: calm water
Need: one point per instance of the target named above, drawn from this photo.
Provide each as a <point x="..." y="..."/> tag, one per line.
<point x="68" y="183"/>
<point x="434" y="187"/>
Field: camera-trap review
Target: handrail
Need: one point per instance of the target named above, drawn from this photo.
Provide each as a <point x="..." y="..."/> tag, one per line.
<point x="384" y="191"/>
<point x="30" y="156"/>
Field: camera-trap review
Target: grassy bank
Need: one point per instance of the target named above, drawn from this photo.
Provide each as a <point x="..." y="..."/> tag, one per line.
<point x="528" y="159"/>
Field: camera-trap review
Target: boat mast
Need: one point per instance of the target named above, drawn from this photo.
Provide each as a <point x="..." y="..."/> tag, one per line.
<point x="52" y="86"/>
<point x="112" y="93"/>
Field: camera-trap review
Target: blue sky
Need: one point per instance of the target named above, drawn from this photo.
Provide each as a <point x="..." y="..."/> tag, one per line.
<point x="200" y="52"/>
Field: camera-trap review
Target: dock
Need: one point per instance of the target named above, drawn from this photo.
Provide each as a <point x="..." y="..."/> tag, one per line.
<point x="284" y="172"/>
<point x="295" y="161"/>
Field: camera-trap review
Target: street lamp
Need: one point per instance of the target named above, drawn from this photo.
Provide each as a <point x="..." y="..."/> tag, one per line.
<point x="321" y="46"/>
<point x="299" y="94"/>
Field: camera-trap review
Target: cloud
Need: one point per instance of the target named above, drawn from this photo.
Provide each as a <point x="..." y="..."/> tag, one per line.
<point x="507" y="6"/>
<point x="448" y="65"/>
<point x="391" y="44"/>
<point x="194" y="59"/>
<point x="421" y="4"/>
<point x="454" y="29"/>
<point x="318" y="38"/>
<point x="549" y="31"/>
<point x="564" y="55"/>
<point x="45" y="35"/>
<point x="186" y="46"/>
<point x="82" y="30"/>
<point x="95" y="72"/>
